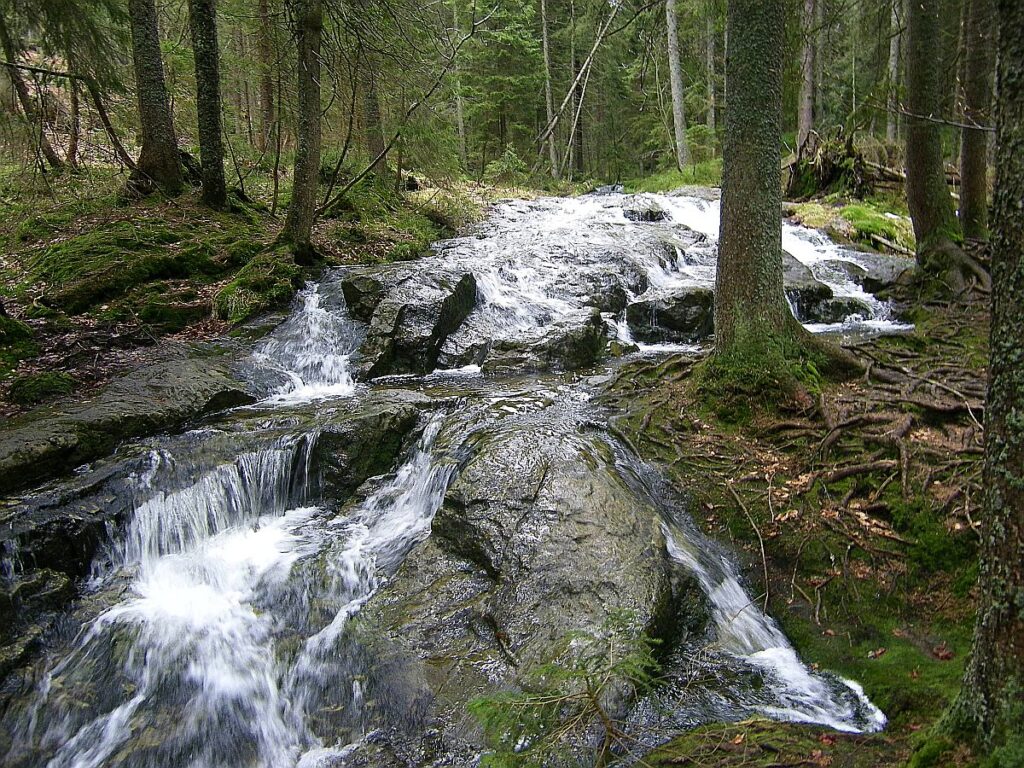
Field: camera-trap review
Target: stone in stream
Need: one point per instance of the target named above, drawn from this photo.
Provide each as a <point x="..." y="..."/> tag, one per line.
<point x="163" y="396"/>
<point x="805" y="292"/>
<point x="875" y="272"/>
<point x="682" y="315"/>
<point x="411" y="320"/>
<point x="641" y="208"/>
<point x="566" y="347"/>
<point x="538" y="537"/>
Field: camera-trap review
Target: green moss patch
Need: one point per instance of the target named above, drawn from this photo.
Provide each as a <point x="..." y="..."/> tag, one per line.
<point x="865" y="222"/>
<point x="704" y="174"/>
<point x="37" y="388"/>
<point x="267" y="280"/>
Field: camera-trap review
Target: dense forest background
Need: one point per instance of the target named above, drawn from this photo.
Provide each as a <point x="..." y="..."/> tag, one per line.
<point x="573" y="89"/>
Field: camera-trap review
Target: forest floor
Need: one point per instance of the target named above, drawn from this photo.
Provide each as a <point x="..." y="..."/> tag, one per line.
<point x="93" y="281"/>
<point x="854" y="507"/>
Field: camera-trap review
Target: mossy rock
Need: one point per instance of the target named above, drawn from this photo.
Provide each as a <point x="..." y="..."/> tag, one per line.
<point x="13" y="331"/>
<point x="270" y="279"/>
<point x="37" y="388"/>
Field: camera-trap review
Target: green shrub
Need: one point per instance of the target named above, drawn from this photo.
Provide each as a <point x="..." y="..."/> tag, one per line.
<point x="508" y="170"/>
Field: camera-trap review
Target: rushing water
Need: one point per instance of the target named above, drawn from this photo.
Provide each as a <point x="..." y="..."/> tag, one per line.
<point x="210" y="631"/>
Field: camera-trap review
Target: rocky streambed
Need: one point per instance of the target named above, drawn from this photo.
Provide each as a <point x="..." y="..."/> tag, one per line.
<point x="412" y="500"/>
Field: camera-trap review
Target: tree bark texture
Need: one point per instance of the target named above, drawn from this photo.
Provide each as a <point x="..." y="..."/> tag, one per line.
<point x="751" y="312"/>
<point x="159" y="162"/>
<point x="25" y="98"/>
<point x="675" y="70"/>
<point x="374" y="130"/>
<point x="298" y="224"/>
<point x="990" y="707"/>
<point x="979" y="62"/>
<point x="203" y="24"/>
<point x="931" y="206"/>
<point x="805" y="103"/>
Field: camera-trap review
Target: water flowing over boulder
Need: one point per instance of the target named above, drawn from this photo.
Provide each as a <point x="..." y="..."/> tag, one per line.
<point x="681" y="315"/>
<point x="537" y="538"/>
<point x="411" y="320"/>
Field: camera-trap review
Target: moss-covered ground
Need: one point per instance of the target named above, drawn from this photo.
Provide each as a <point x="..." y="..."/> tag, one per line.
<point x="876" y="222"/>
<point x="90" y="277"/>
<point x="866" y="497"/>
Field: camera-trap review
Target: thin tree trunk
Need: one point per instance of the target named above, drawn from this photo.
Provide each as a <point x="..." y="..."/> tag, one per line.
<point x="25" y="98"/>
<point x="709" y="66"/>
<point x="460" y="116"/>
<point x="675" y="72"/>
<point x="805" y="105"/>
<point x="892" y="103"/>
<point x="159" y="162"/>
<point x="203" y="24"/>
<point x="298" y="225"/>
<point x="571" y="148"/>
<point x="265" y="52"/>
<point x="978" y="63"/>
<point x="988" y="709"/>
<point x="101" y="110"/>
<point x="928" y="198"/>
<point x="374" y="136"/>
<point x="549" y="101"/>
<point x="74" y="124"/>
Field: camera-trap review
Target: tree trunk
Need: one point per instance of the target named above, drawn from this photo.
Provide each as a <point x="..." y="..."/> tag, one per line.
<point x="298" y="224"/>
<point x="25" y="98"/>
<point x="159" y="163"/>
<point x="805" y="105"/>
<point x="750" y="306"/>
<point x="374" y="136"/>
<point x="892" y="102"/>
<point x="265" y="51"/>
<point x="989" y="709"/>
<point x="460" y="112"/>
<point x="549" y="101"/>
<point x="74" y="124"/>
<point x="928" y="198"/>
<point x="675" y="71"/>
<point x="978" y="65"/>
<point x="203" y="24"/>
<point x="709" y="66"/>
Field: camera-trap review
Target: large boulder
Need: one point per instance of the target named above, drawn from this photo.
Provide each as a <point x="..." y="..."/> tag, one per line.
<point x="874" y="272"/>
<point x="682" y="315"/>
<point x="642" y="208"/>
<point x="412" y="321"/>
<point x="568" y="346"/>
<point x="159" y="397"/>
<point x="538" y="538"/>
<point x="363" y="291"/>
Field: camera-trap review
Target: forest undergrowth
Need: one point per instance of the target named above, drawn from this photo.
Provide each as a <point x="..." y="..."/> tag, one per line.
<point x="854" y="508"/>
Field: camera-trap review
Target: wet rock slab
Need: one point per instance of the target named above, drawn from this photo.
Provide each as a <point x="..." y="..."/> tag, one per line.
<point x="538" y="537"/>
<point x="155" y="398"/>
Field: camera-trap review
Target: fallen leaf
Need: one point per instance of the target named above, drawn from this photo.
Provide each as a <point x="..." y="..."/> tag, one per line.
<point x="877" y="653"/>
<point x="739" y="738"/>
<point x="942" y="652"/>
<point x="827" y="739"/>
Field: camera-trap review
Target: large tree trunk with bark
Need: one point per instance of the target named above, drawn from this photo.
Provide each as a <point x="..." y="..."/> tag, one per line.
<point x="159" y="163"/>
<point x="991" y="703"/>
<point x="460" y="111"/>
<point x="203" y="24"/>
<point x="931" y="206"/>
<point x="298" y="224"/>
<point x="675" y="70"/>
<point x="805" y="103"/>
<point x="750" y="306"/>
<point x="33" y="116"/>
<point x="549" y="101"/>
<point x="979" y="62"/>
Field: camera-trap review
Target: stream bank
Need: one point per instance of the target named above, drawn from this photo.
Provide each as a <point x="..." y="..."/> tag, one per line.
<point x="422" y="505"/>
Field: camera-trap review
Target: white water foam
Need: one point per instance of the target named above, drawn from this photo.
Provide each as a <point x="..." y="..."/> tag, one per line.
<point x="747" y="633"/>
